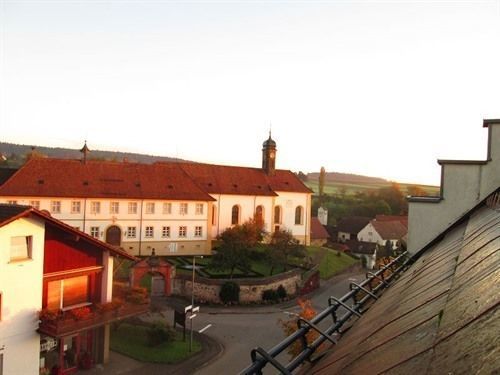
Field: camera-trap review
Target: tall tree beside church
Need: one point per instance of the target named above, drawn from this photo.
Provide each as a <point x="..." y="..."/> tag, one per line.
<point x="321" y="182"/>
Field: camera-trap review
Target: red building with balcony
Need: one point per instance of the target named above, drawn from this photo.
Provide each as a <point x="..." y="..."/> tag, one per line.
<point x="77" y="303"/>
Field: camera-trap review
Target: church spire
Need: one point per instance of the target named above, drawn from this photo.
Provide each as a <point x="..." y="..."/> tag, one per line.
<point x="85" y="150"/>
<point x="269" y="155"/>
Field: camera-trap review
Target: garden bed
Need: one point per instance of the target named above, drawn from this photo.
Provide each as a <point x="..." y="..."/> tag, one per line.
<point x="131" y="340"/>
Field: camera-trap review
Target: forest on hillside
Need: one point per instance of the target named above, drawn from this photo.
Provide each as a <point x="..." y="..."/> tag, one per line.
<point x="14" y="155"/>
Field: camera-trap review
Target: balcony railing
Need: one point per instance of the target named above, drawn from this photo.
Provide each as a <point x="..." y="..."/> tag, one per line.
<point x="354" y="303"/>
<point x="67" y="324"/>
<point x="128" y="303"/>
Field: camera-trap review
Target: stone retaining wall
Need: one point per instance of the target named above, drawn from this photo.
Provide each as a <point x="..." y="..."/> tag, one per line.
<point x="207" y="290"/>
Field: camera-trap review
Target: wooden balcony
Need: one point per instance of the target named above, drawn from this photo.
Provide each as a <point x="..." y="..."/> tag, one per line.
<point x="64" y="324"/>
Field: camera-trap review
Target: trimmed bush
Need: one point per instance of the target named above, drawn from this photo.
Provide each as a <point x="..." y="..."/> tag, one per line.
<point x="270" y="295"/>
<point x="159" y="333"/>
<point x="281" y="292"/>
<point x="229" y="292"/>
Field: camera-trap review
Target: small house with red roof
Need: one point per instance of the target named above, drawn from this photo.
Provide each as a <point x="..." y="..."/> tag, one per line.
<point x="380" y="232"/>
<point x="56" y="294"/>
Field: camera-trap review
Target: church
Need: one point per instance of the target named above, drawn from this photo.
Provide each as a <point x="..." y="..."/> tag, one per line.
<point x="171" y="208"/>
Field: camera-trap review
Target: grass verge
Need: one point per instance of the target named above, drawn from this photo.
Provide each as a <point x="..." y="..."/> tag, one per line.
<point x="332" y="262"/>
<point x="131" y="340"/>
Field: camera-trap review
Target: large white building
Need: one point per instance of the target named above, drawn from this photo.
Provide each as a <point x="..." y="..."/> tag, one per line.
<point x="173" y="208"/>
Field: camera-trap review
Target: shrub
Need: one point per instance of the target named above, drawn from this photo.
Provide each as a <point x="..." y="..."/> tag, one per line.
<point x="229" y="292"/>
<point x="159" y="333"/>
<point x="81" y="313"/>
<point x="281" y="292"/>
<point x="270" y="295"/>
<point x="48" y="315"/>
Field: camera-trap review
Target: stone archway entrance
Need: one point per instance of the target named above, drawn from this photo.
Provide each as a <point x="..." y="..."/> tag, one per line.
<point x="114" y="235"/>
<point x="160" y="271"/>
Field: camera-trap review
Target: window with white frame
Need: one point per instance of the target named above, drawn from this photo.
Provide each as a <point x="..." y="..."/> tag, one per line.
<point x="199" y="209"/>
<point x="94" y="232"/>
<point x="150" y="208"/>
<point x="55" y="207"/>
<point x="35" y="204"/>
<point x="149" y="232"/>
<point x="21" y="248"/>
<point x="95" y="207"/>
<point x="183" y="209"/>
<point x="167" y="208"/>
<point x="165" y="232"/>
<point x="198" y="231"/>
<point x="114" y="208"/>
<point x="131" y="232"/>
<point x="182" y="231"/>
<point x="12" y="202"/>
<point x="76" y="207"/>
<point x="132" y="207"/>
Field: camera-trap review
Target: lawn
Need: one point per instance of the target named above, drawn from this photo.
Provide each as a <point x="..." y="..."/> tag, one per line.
<point x="352" y="188"/>
<point x="330" y="263"/>
<point x="130" y="340"/>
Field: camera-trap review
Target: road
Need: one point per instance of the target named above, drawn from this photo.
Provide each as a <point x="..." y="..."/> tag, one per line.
<point x="239" y="331"/>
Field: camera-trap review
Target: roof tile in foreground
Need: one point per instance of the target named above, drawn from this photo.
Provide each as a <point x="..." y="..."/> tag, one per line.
<point x="440" y="317"/>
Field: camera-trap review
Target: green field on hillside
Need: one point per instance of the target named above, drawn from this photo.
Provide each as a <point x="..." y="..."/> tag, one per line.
<point x="353" y="188"/>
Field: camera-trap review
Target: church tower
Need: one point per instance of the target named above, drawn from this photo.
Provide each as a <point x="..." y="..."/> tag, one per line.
<point x="269" y="156"/>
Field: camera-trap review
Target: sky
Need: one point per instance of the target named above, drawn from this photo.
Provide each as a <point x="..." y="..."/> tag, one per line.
<point x="379" y="88"/>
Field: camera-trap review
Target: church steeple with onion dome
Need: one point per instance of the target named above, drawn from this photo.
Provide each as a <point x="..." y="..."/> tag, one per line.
<point x="269" y="156"/>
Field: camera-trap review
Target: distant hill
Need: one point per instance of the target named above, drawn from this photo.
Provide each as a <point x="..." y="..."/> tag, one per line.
<point x="16" y="154"/>
<point x="346" y="178"/>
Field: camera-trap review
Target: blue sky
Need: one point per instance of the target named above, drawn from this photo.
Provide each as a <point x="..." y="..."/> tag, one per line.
<point x="380" y="88"/>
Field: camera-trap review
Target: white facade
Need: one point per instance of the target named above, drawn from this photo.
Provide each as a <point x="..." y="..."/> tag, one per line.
<point x="323" y="216"/>
<point x="370" y="234"/>
<point x="247" y="205"/>
<point x="134" y="214"/>
<point x="21" y="298"/>
<point x="463" y="185"/>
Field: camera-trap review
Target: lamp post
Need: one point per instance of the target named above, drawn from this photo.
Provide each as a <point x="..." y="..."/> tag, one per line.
<point x="193" y="309"/>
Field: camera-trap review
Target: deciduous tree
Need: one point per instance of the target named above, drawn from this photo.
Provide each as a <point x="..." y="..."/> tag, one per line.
<point x="236" y="242"/>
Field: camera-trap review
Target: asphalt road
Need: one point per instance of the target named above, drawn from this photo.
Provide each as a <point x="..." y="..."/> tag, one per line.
<point x="239" y="331"/>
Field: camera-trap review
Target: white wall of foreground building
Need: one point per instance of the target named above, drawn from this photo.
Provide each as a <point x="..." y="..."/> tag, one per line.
<point x="463" y="185"/>
<point x="21" y="289"/>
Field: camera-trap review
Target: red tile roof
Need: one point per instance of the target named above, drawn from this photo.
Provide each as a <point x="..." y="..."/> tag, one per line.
<point x="402" y="219"/>
<point x="389" y="230"/>
<point x="102" y="179"/>
<point x="352" y="224"/>
<point x="10" y="213"/>
<point x="178" y="181"/>
<point x="221" y="179"/>
<point x="318" y="231"/>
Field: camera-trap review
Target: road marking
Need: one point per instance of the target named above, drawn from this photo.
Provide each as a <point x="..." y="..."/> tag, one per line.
<point x="204" y="329"/>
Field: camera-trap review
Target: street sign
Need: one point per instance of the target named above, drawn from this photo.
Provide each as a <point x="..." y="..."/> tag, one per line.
<point x="195" y="309"/>
<point x="192" y="316"/>
<point x="187" y="308"/>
